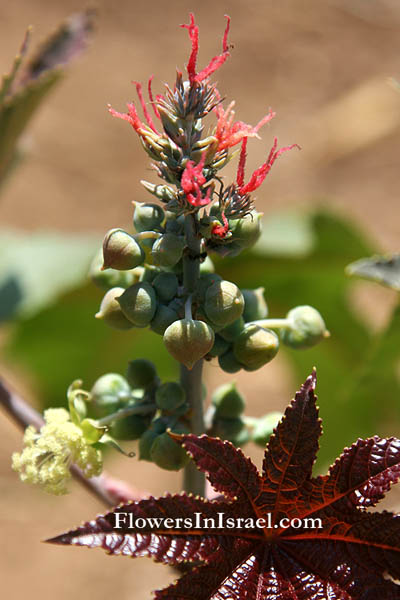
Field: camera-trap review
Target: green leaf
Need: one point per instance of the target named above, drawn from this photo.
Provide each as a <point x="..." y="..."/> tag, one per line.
<point x="286" y="234"/>
<point x="382" y="269"/>
<point x="35" y="269"/>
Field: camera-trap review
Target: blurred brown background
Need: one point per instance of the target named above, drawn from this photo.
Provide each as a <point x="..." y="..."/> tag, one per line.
<point x="323" y="66"/>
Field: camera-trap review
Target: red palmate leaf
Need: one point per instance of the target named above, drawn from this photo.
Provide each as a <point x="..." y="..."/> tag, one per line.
<point x="294" y="537"/>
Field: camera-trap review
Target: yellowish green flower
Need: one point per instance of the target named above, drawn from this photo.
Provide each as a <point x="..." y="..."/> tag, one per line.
<point x="48" y="454"/>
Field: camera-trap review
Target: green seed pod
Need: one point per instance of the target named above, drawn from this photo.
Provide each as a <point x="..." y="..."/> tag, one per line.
<point x="148" y="216"/>
<point x="168" y="454"/>
<point x="255" y="306"/>
<point x="264" y="427"/>
<point x="110" y="310"/>
<point x="228" y="362"/>
<point x="247" y="230"/>
<point x="106" y="279"/>
<point x="109" y="393"/>
<point x="188" y="340"/>
<point x="170" y="395"/>
<point x="149" y="274"/>
<point x="224" y="302"/>
<point x="163" y="318"/>
<point x="141" y="373"/>
<point x="204" y="282"/>
<point x="130" y="428"/>
<point x="233" y="430"/>
<point x="121" y="251"/>
<point x="220" y="346"/>
<point x="228" y="402"/>
<point x="166" y="286"/>
<point x="207" y="266"/>
<point x="167" y="250"/>
<point x="307" y="328"/>
<point x="232" y="331"/>
<point x="139" y="303"/>
<point x="146" y="442"/>
<point x="255" y="347"/>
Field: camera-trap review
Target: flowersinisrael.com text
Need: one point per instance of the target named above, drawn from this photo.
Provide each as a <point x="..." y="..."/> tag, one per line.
<point x="127" y="520"/>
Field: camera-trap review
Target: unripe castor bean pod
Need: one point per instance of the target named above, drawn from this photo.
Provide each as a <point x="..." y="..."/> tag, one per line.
<point x="167" y="250"/>
<point x="224" y="302"/>
<point x="130" y="428"/>
<point x="108" y="278"/>
<point x="188" y="340"/>
<point x="141" y="373"/>
<point x="166" y="286"/>
<point x="228" y="402"/>
<point x="168" y="454"/>
<point x="255" y="347"/>
<point x="255" y="306"/>
<point x="307" y="328"/>
<point x="163" y="318"/>
<point x="229" y="363"/>
<point x="147" y="216"/>
<point x="109" y="393"/>
<point x="170" y="396"/>
<point x="139" y="303"/>
<point x="247" y="230"/>
<point x="231" y="332"/>
<point x="110" y="310"/>
<point x="121" y="251"/>
<point x="220" y="346"/>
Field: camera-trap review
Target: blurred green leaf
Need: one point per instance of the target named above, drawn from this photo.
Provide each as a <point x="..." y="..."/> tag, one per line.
<point x="37" y="268"/>
<point x="382" y="269"/>
<point x="286" y="234"/>
<point x="20" y="99"/>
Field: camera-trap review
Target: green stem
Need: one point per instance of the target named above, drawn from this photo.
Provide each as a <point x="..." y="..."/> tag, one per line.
<point x="193" y="479"/>
<point x="273" y="323"/>
<point x="139" y="409"/>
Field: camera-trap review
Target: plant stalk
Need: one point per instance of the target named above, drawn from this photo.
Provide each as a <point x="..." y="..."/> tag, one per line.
<point x="191" y="380"/>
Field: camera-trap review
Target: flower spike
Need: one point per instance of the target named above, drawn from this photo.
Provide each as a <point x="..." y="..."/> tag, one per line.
<point x="144" y="107"/>
<point x="191" y="182"/>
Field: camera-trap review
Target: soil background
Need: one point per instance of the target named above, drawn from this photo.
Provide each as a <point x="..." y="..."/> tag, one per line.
<point x="324" y="67"/>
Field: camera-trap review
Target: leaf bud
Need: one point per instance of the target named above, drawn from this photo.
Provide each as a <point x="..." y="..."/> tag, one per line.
<point x="148" y="216"/>
<point x="307" y="328"/>
<point x="110" y="310"/>
<point x="168" y="454"/>
<point x="224" y="302"/>
<point x="264" y="427"/>
<point x="121" y="251"/>
<point x="141" y="373"/>
<point x="167" y="250"/>
<point x="255" y="347"/>
<point x="139" y="303"/>
<point x="188" y="340"/>
<point x="170" y="396"/>
<point x="255" y="306"/>
<point x="228" y="402"/>
<point x="166" y="286"/>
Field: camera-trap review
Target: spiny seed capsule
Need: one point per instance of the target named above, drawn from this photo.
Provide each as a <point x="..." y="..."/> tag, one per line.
<point x="148" y="216"/>
<point x="255" y="306"/>
<point x="139" y="303"/>
<point x="166" y="286"/>
<point x="228" y="362"/>
<point x="109" y="393"/>
<point x="130" y="428"/>
<point x="121" y="251"/>
<point x="170" y="396"/>
<point x="110" y="310"/>
<point x="231" y="332"/>
<point x="264" y="427"/>
<point x="163" y="318"/>
<point x="141" y="373"/>
<point x="247" y="230"/>
<point x="307" y="328"/>
<point x="168" y="454"/>
<point x="255" y="347"/>
<point x="167" y="250"/>
<point x="228" y="401"/>
<point x="224" y="302"/>
<point x="188" y="340"/>
<point x="220" y="346"/>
